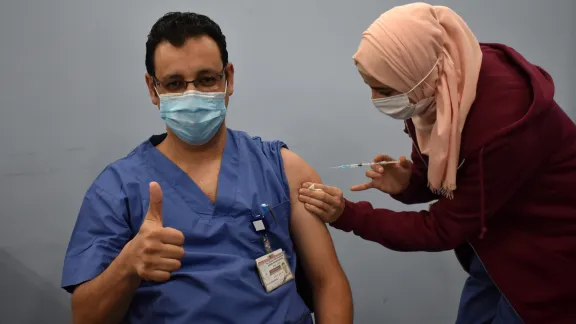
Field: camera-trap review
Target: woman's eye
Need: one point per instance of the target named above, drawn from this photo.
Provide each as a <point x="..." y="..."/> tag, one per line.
<point x="385" y="92"/>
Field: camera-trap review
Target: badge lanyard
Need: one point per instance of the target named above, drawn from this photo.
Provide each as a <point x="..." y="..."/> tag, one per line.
<point x="261" y="226"/>
<point x="273" y="267"/>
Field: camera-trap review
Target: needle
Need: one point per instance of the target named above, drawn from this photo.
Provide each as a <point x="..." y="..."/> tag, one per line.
<point x="357" y="165"/>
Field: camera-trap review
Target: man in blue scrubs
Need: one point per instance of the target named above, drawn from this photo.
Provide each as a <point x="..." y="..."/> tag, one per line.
<point x="200" y="224"/>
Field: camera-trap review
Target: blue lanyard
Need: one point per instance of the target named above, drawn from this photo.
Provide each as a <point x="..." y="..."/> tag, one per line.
<point x="260" y="225"/>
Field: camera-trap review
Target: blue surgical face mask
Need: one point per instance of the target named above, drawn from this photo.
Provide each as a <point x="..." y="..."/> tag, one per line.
<point x="194" y="116"/>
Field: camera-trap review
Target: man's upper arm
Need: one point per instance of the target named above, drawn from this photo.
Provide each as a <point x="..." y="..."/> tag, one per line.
<point x="310" y="234"/>
<point x="100" y="233"/>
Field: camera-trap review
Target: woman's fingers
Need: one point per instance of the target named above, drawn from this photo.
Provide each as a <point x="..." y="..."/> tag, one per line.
<point x="321" y="204"/>
<point x="383" y="157"/>
<point x="373" y="174"/>
<point x="362" y="186"/>
<point x="320" y="195"/>
<point x="367" y="185"/>
<point x="379" y="158"/>
<point x="316" y="211"/>
<point x="333" y="191"/>
<point x="377" y="168"/>
<point x="404" y="162"/>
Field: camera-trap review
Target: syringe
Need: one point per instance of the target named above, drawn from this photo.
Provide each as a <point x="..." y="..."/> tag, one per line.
<point x="357" y="165"/>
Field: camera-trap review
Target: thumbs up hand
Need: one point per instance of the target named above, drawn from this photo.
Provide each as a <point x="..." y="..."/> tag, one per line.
<point x="154" y="213"/>
<point x="156" y="251"/>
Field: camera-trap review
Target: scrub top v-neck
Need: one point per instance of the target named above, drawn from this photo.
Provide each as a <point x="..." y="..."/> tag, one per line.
<point x="190" y="191"/>
<point x="218" y="280"/>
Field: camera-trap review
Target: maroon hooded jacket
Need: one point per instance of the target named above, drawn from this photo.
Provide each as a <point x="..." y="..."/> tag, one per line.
<point x="515" y="202"/>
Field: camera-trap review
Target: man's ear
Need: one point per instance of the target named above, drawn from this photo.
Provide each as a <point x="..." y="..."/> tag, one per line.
<point x="230" y="78"/>
<point x="151" y="89"/>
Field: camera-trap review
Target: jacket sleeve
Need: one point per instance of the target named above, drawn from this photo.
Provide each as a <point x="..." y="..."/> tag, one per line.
<point x="486" y="181"/>
<point x="417" y="191"/>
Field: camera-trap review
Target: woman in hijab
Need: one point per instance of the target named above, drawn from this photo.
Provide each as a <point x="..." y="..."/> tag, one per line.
<point x="491" y="147"/>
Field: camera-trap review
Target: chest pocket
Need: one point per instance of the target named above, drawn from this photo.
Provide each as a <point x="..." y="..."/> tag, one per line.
<point x="278" y="232"/>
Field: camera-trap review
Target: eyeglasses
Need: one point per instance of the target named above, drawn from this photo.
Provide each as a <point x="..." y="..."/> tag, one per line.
<point x="208" y="82"/>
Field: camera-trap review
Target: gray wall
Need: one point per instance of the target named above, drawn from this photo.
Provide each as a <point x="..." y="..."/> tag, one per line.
<point x="72" y="99"/>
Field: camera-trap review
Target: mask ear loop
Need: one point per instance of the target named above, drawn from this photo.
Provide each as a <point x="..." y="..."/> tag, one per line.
<point x="154" y="83"/>
<point x="425" y="77"/>
<point x="226" y="79"/>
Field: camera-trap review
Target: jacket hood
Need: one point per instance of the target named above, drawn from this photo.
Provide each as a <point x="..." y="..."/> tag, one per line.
<point x="508" y="80"/>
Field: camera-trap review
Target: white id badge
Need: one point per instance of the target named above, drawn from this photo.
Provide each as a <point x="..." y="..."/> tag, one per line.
<point x="274" y="270"/>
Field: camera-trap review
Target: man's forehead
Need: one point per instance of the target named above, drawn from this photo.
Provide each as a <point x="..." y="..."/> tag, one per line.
<point x="196" y="55"/>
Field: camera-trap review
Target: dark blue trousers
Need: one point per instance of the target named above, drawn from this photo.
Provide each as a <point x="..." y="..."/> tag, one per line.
<point x="481" y="302"/>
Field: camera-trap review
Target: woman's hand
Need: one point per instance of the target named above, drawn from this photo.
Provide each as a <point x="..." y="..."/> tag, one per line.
<point x="326" y="202"/>
<point x="392" y="179"/>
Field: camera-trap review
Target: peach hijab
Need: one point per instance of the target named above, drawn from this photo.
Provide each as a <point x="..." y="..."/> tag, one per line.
<point x="399" y="49"/>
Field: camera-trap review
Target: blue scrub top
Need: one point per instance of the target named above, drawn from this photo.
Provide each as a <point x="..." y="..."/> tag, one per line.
<point x="218" y="281"/>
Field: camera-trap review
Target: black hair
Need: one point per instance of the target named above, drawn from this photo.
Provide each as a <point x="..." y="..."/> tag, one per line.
<point x="176" y="28"/>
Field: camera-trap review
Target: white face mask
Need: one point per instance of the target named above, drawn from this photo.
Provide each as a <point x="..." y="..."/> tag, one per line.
<point x="400" y="107"/>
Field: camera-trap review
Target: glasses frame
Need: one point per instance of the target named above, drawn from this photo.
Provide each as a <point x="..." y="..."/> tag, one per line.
<point x="221" y="75"/>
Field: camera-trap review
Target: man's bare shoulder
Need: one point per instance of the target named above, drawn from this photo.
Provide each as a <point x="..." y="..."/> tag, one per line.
<point x="297" y="170"/>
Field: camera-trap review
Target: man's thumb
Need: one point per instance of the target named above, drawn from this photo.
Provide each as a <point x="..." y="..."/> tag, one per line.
<point x="155" y="205"/>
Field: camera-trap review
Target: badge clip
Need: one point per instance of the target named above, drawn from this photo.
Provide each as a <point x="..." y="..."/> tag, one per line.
<point x="266" y="209"/>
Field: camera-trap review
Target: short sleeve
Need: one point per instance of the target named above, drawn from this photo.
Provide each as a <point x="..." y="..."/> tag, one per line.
<point x="272" y="151"/>
<point x="100" y="233"/>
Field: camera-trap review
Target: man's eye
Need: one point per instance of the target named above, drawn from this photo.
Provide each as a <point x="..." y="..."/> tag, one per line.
<point x="207" y="81"/>
<point x="174" y="85"/>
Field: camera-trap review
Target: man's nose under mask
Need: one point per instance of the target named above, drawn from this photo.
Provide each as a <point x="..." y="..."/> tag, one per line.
<point x="194" y="116"/>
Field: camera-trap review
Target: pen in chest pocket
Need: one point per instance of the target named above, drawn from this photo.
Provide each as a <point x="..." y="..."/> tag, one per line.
<point x="266" y="209"/>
